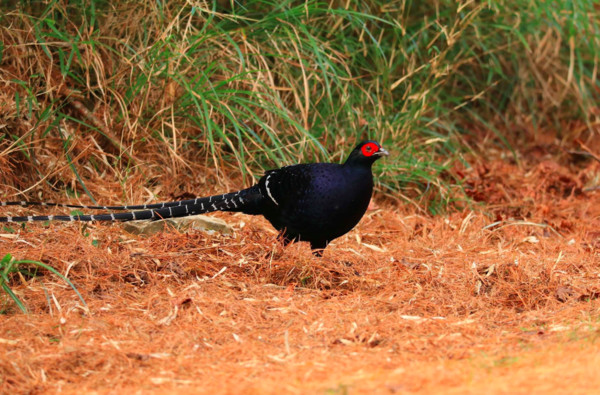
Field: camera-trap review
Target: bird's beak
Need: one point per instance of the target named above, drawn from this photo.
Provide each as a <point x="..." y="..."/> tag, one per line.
<point x="382" y="152"/>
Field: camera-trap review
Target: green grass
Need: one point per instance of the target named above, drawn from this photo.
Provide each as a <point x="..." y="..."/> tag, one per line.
<point x="246" y="86"/>
<point x="10" y="267"/>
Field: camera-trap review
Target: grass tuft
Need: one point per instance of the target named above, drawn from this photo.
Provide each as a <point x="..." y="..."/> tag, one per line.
<point x="148" y="93"/>
<point x="10" y="266"/>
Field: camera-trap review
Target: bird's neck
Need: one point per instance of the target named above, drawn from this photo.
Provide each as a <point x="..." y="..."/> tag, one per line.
<point x="358" y="166"/>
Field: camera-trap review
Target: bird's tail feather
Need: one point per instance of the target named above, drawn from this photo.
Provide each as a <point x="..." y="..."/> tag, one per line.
<point x="245" y="201"/>
<point x="26" y="203"/>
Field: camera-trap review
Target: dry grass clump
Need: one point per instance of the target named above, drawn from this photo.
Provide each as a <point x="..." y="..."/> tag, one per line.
<point x="146" y="94"/>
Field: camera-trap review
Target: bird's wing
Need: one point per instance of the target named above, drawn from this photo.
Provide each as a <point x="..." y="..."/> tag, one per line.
<point x="289" y="183"/>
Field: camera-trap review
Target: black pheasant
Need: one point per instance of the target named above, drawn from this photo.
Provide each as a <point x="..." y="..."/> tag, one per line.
<point x="315" y="202"/>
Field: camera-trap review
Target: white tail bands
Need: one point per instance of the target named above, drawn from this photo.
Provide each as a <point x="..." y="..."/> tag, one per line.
<point x="225" y="202"/>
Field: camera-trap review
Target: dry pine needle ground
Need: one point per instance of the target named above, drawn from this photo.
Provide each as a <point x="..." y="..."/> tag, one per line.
<point x="466" y="302"/>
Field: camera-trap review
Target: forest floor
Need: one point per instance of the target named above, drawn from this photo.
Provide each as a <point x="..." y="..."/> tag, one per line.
<point x="503" y="297"/>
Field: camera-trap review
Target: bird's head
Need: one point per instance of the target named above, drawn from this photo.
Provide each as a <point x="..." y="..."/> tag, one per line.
<point x="366" y="153"/>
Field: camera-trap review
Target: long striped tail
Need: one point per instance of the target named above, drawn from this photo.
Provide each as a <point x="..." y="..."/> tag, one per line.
<point x="25" y="203"/>
<point x="245" y="200"/>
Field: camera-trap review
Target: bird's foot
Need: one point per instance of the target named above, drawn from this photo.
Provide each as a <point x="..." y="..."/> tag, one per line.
<point x="318" y="252"/>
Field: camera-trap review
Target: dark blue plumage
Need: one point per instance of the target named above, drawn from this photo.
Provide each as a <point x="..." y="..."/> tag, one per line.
<point x="315" y="202"/>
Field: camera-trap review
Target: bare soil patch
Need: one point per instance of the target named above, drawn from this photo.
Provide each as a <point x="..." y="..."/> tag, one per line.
<point x="503" y="299"/>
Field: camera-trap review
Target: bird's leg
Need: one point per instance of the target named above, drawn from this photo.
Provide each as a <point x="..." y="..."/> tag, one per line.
<point x="318" y="247"/>
<point x="285" y="239"/>
<point x="318" y="253"/>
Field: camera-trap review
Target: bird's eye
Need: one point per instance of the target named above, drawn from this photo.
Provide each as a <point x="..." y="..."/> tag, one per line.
<point x="369" y="149"/>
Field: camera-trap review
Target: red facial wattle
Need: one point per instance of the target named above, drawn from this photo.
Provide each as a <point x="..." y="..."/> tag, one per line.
<point x="369" y="149"/>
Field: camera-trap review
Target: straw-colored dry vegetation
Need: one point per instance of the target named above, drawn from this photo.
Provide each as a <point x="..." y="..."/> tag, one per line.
<point x="476" y="268"/>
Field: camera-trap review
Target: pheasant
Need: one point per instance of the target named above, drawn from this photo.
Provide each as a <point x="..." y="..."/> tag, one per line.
<point x="315" y="202"/>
